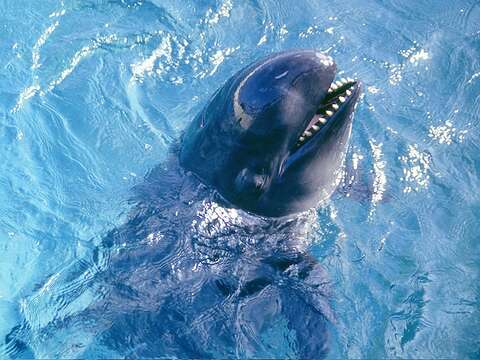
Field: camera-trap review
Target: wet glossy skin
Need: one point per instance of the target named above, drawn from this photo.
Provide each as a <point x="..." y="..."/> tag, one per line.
<point x="244" y="141"/>
<point x="183" y="278"/>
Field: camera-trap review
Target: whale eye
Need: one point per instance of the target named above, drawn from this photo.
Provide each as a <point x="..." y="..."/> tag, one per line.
<point x="250" y="183"/>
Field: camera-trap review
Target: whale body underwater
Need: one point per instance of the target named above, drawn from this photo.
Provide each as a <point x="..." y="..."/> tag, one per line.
<point x="213" y="259"/>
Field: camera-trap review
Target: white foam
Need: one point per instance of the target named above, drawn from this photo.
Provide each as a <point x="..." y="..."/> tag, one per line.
<point x="213" y="17"/>
<point x="262" y="40"/>
<point x="26" y="94"/>
<point x="219" y="56"/>
<point x="40" y="42"/>
<point x="79" y="56"/>
<point x="146" y="66"/>
<point x="474" y="76"/>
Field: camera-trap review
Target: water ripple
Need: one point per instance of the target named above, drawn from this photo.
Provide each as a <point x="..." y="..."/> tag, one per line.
<point x="94" y="93"/>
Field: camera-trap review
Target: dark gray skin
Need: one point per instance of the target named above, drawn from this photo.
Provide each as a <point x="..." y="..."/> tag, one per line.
<point x="243" y="143"/>
<point x="189" y="277"/>
<point x="184" y="277"/>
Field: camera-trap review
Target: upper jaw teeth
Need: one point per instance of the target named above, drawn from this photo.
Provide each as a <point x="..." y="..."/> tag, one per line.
<point x="322" y="118"/>
<point x="341" y="83"/>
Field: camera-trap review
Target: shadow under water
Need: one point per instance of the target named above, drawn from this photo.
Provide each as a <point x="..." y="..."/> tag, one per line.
<point x="186" y="276"/>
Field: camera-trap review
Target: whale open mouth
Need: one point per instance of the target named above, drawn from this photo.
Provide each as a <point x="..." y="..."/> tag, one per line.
<point x="339" y="95"/>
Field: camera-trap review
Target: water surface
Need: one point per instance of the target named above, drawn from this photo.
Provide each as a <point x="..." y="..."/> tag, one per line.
<point x="93" y="94"/>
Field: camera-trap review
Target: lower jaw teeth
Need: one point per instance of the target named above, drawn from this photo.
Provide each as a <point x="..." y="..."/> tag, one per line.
<point x="313" y="129"/>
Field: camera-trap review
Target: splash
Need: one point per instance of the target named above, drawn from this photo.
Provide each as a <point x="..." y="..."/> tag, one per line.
<point x="215" y="220"/>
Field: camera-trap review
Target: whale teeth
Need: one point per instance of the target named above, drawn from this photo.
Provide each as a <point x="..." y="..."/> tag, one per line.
<point x="339" y="91"/>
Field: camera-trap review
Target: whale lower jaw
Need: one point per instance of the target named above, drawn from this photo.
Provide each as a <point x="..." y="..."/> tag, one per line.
<point x="339" y="95"/>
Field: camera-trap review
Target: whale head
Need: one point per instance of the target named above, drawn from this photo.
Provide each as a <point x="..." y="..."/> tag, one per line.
<point x="273" y="139"/>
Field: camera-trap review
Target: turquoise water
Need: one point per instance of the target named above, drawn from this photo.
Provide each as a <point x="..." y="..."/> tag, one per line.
<point x="93" y="94"/>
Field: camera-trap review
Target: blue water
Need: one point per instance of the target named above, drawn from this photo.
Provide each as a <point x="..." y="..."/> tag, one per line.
<point x="94" y="94"/>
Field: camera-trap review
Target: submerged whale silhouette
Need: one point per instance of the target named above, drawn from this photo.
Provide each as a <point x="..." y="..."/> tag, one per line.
<point x="192" y="275"/>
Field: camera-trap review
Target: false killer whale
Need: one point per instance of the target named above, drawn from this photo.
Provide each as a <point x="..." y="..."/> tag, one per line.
<point x="213" y="259"/>
<point x="273" y="139"/>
